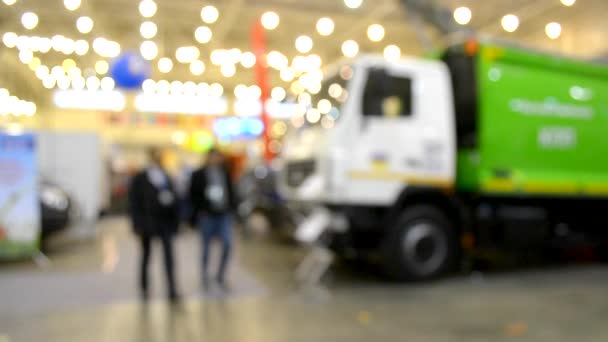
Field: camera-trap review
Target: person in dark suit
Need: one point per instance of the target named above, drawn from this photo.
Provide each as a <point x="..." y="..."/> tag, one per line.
<point x="214" y="203"/>
<point x="154" y="213"/>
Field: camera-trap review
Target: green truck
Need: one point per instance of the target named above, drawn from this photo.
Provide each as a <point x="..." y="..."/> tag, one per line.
<point x="487" y="146"/>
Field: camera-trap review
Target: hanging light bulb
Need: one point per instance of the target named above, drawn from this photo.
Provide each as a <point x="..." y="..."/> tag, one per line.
<point x="270" y="20"/>
<point x="84" y="25"/>
<point x="210" y="14"/>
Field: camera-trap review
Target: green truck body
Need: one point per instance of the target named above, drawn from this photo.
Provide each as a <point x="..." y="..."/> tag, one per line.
<point x="542" y="126"/>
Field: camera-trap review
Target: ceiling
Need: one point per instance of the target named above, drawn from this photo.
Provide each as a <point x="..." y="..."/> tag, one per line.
<point x="584" y="31"/>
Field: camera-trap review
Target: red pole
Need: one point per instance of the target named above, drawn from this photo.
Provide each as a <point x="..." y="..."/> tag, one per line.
<point x="258" y="42"/>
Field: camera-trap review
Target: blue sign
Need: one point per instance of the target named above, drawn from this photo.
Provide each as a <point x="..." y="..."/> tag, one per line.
<point x="238" y="128"/>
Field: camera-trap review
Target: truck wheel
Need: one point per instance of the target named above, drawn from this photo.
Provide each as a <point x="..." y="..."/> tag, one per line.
<point x="420" y="245"/>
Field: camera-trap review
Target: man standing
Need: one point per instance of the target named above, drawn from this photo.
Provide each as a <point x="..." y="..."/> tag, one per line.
<point x="213" y="201"/>
<point x="154" y="214"/>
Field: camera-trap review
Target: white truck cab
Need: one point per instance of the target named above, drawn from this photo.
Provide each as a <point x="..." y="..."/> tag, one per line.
<point x="393" y="130"/>
<point x="393" y="127"/>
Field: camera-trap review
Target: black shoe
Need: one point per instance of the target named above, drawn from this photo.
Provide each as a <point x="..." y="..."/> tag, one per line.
<point x="224" y="286"/>
<point x="144" y="296"/>
<point x="175" y="299"/>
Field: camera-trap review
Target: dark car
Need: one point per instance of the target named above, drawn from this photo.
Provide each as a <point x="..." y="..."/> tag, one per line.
<point x="55" y="209"/>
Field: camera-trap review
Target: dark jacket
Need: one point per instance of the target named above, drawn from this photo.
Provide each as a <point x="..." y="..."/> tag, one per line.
<point x="198" y="187"/>
<point x="148" y="216"/>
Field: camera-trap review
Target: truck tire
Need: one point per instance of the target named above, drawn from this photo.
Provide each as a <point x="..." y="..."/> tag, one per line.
<point x="420" y="245"/>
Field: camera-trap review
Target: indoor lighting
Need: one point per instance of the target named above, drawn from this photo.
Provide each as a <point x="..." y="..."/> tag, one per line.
<point x="324" y="106"/>
<point x="57" y="71"/>
<point x="210" y="14"/>
<point x="68" y="64"/>
<point x="278" y="94"/>
<point x="71" y="5"/>
<point x="74" y="72"/>
<point x="196" y="105"/>
<point x="304" y="44"/>
<point x="218" y="56"/>
<point x="270" y="20"/>
<point x="148" y="86"/>
<point x="568" y="3"/>
<point x="327" y="122"/>
<point x="106" y="48"/>
<point x="277" y="60"/>
<point x="353" y="4"/>
<point x="9" y="2"/>
<point x="63" y="82"/>
<point x="68" y="46"/>
<point x="202" y="89"/>
<point x="147" y="8"/>
<point x="81" y="47"/>
<point x="287" y="74"/>
<point x="29" y="20"/>
<point x="325" y="26"/>
<point x="216" y="90"/>
<point x="78" y="83"/>
<point x="203" y="34"/>
<point x="176" y="88"/>
<point x="90" y="100"/>
<point x="148" y="50"/>
<point x="314" y="61"/>
<point x="10" y="39"/>
<point x="248" y="59"/>
<point x="93" y="83"/>
<point x="108" y="84"/>
<point x="84" y="25"/>
<point x="553" y="30"/>
<point x="240" y="91"/>
<point x="463" y="15"/>
<point x="392" y="53"/>
<point x="197" y="67"/>
<point x="48" y="82"/>
<point x="102" y="67"/>
<point x="163" y="87"/>
<point x="375" y="32"/>
<point x="44" y="45"/>
<point x="148" y="29"/>
<point x="510" y="23"/>
<point x="254" y="92"/>
<point x="42" y="72"/>
<point x="26" y="56"/>
<point x="179" y="138"/>
<point x="34" y="63"/>
<point x="313" y="116"/>
<point x="189" y="88"/>
<point x="228" y="70"/>
<point x="165" y="65"/>
<point x="187" y="54"/>
<point x="350" y="48"/>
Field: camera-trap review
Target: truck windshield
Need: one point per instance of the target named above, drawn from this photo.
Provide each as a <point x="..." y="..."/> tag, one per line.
<point x="464" y="86"/>
<point x="333" y="94"/>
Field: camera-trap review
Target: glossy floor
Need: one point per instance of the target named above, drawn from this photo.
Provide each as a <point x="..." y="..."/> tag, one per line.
<point x="87" y="294"/>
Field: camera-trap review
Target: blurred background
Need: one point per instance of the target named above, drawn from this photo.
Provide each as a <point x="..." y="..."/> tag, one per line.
<point x="87" y="86"/>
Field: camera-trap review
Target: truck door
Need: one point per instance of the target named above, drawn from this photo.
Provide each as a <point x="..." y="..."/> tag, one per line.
<point x="405" y="132"/>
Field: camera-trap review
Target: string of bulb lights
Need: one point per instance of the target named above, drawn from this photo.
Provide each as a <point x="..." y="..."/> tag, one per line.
<point x="302" y="73"/>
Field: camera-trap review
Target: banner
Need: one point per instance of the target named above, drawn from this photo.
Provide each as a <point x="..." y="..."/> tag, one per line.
<point x="19" y="204"/>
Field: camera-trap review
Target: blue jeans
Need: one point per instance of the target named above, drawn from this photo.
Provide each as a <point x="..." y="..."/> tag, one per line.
<point x="216" y="227"/>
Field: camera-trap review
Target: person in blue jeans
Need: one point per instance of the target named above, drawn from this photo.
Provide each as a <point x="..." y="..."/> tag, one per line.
<point x="214" y="203"/>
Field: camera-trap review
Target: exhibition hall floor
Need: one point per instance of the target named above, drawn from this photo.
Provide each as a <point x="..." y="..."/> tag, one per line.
<point x="87" y="293"/>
